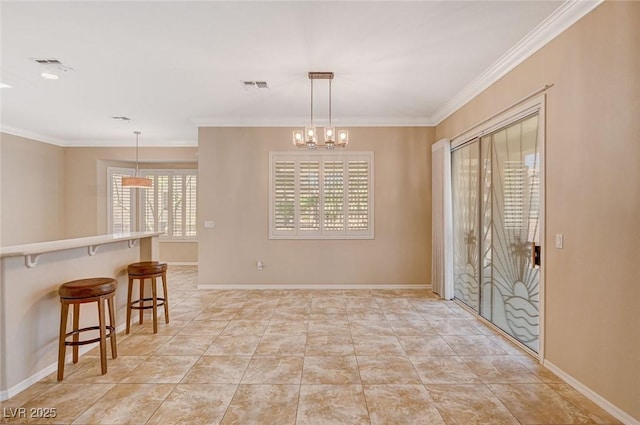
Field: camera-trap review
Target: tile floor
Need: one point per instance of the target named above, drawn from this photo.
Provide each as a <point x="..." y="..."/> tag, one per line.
<point x="331" y="357"/>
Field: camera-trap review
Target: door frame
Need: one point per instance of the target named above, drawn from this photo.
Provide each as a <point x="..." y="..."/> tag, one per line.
<point x="505" y="118"/>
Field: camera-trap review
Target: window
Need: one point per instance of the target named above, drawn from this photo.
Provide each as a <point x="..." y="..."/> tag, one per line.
<point x="321" y="195"/>
<point x="169" y="206"/>
<point x="121" y="214"/>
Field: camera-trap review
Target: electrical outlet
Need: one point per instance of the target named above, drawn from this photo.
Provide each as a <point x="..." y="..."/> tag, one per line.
<point x="209" y="224"/>
<point x="559" y="240"/>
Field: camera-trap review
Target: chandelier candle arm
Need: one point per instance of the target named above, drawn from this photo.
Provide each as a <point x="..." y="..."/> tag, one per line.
<point x="309" y="138"/>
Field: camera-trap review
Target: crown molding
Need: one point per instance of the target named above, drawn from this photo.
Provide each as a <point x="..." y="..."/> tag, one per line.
<point x="94" y="143"/>
<point x="561" y="19"/>
<point x="31" y="135"/>
<point x="297" y="122"/>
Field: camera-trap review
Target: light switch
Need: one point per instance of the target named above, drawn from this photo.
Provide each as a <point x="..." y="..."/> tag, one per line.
<point x="209" y="224"/>
<point x="559" y="240"/>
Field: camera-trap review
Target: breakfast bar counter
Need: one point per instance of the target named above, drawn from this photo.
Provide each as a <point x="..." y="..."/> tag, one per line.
<point x="30" y="275"/>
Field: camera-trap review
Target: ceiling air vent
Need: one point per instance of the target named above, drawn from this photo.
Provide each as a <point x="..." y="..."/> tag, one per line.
<point x="250" y="85"/>
<point x="48" y="61"/>
<point x="122" y="118"/>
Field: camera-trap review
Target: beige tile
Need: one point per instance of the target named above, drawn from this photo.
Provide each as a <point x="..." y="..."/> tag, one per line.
<point x="330" y="370"/>
<point x="273" y="370"/>
<point x="117" y="370"/>
<point x="204" y="327"/>
<point x="161" y="370"/>
<point x="295" y="301"/>
<point x="281" y="345"/>
<point x="217" y="370"/>
<point x="332" y="405"/>
<point x="408" y="328"/>
<point x="126" y="404"/>
<point x="263" y="405"/>
<point x="329" y="327"/>
<point x="500" y="370"/>
<point x="321" y="303"/>
<point x="371" y="345"/>
<point x="538" y="404"/>
<point x="472" y="345"/>
<point x="186" y="314"/>
<point x="329" y="345"/>
<point x="245" y="327"/>
<point x="291" y="314"/>
<point x="233" y="345"/>
<point x="68" y="400"/>
<point x="329" y="315"/>
<point x="231" y="303"/>
<point x="401" y="404"/>
<point x="534" y="366"/>
<point x="370" y="327"/>
<point x="469" y="405"/>
<point x="368" y="303"/>
<point x="425" y="345"/>
<point x="287" y="327"/>
<point x="164" y="329"/>
<point x="247" y="313"/>
<point x="194" y="404"/>
<point x="368" y="314"/>
<point x="185" y="345"/>
<point x="444" y="370"/>
<point x="454" y="326"/>
<point x="217" y="313"/>
<point x="588" y="407"/>
<point x="387" y="370"/>
<point x="141" y="345"/>
<point x="26" y="395"/>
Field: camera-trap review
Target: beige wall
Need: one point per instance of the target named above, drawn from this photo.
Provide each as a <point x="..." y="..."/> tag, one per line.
<point x="233" y="192"/>
<point x="85" y="181"/>
<point x="63" y="193"/>
<point x="32" y="190"/>
<point x="592" y="194"/>
<point x="179" y="252"/>
<point x="86" y="190"/>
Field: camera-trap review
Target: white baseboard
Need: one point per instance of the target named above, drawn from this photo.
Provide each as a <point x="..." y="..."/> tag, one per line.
<point x="592" y="395"/>
<point x="182" y="263"/>
<point x="317" y="286"/>
<point x="43" y="373"/>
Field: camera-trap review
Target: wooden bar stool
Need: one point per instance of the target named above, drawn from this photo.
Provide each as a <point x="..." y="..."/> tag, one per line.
<point x="148" y="270"/>
<point x="99" y="289"/>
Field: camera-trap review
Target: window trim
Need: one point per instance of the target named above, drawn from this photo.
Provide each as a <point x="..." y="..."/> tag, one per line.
<point x="321" y="156"/>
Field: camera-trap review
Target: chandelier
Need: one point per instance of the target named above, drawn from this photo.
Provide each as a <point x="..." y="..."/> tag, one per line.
<point x="308" y="138"/>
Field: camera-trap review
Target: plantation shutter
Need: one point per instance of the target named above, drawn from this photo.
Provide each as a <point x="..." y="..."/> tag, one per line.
<point x="121" y="206"/>
<point x="284" y="195"/>
<point x="321" y="195"/>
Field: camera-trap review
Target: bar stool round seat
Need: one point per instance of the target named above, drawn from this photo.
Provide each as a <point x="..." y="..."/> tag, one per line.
<point x="81" y="291"/>
<point x="141" y="271"/>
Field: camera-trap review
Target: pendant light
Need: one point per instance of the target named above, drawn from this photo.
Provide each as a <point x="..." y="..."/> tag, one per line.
<point x="308" y="138"/>
<point x="136" y="180"/>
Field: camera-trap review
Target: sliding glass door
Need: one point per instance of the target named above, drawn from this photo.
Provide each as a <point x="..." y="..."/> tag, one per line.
<point x="496" y="210"/>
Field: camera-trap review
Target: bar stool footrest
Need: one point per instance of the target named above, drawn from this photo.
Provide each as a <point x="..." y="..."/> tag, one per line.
<point x="160" y="302"/>
<point x="110" y="329"/>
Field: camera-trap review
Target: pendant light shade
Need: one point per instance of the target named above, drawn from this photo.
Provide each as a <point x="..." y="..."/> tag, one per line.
<point x="136" y="180"/>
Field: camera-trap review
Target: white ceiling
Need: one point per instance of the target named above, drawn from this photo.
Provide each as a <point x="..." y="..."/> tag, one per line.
<point x="170" y="66"/>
